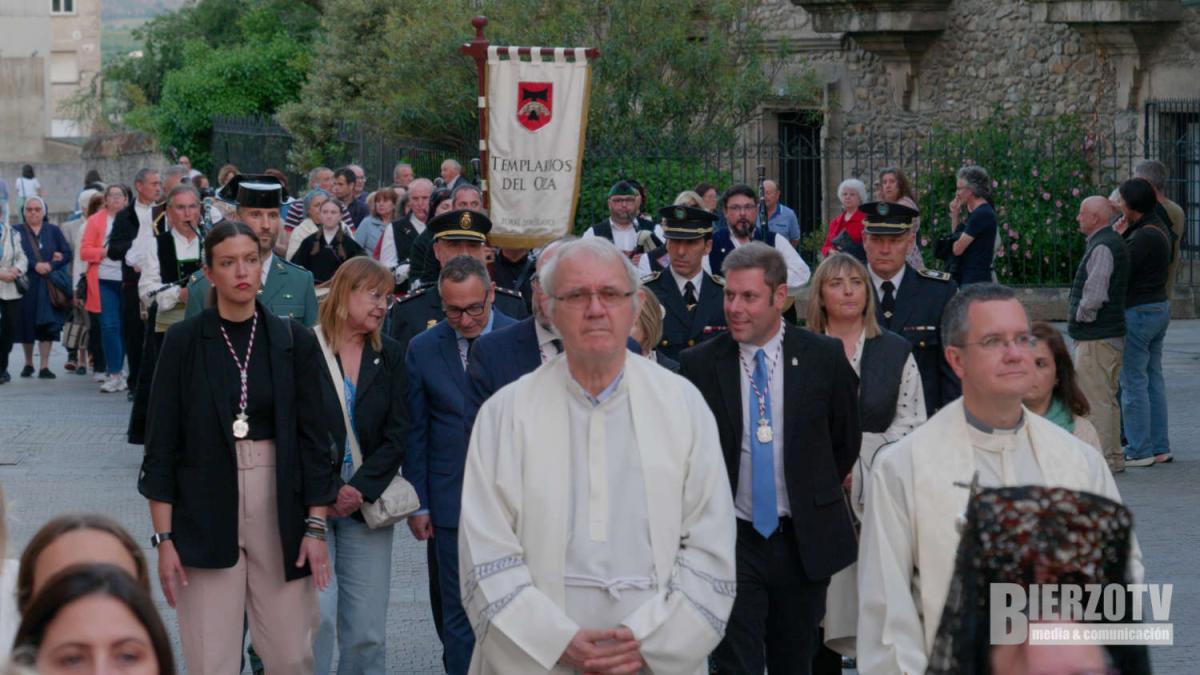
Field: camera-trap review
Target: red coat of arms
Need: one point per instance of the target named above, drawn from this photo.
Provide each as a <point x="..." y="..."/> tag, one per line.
<point x="535" y="102"/>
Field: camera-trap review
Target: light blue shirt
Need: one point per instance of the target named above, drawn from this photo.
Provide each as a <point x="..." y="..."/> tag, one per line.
<point x="464" y="345"/>
<point x="784" y="223"/>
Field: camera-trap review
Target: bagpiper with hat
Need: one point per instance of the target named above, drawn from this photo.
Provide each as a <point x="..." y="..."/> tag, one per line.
<point x="909" y="301"/>
<point x="287" y="289"/>
<point x="455" y="233"/>
<point x="625" y="229"/>
<point x="692" y="299"/>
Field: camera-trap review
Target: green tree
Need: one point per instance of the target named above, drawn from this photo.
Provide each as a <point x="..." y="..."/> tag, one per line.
<point x="673" y="72"/>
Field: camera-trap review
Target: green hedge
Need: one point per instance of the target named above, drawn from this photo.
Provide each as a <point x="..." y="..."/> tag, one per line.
<point x="663" y="180"/>
<point x="1040" y="173"/>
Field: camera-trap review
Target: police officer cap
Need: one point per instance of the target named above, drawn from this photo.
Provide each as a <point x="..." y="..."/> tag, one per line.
<point x="887" y="218"/>
<point x="461" y="225"/>
<point x="622" y="188"/>
<point x="686" y="222"/>
<point x="254" y="191"/>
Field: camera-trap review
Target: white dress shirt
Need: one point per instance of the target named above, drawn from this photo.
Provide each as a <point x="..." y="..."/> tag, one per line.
<point x="743" y="500"/>
<point x="877" y="281"/>
<point x="682" y="281"/>
<point x="143" y="243"/>
<point x="387" y="251"/>
<point x="625" y="237"/>
<point x="798" y="272"/>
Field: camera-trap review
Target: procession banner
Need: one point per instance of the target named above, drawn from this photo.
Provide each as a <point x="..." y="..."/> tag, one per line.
<point x="536" y="122"/>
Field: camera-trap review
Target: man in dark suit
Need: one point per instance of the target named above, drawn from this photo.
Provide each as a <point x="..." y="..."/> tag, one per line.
<point x="786" y="405"/>
<point x="692" y="298"/>
<point x="438" y="393"/>
<point x="134" y="223"/>
<point x="909" y="301"/>
<point x="456" y="233"/>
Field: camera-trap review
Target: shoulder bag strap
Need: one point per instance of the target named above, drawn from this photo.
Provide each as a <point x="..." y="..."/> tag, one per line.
<point x="336" y="374"/>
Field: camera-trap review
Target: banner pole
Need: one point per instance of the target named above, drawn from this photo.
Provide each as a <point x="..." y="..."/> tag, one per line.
<point x="478" y="49"/>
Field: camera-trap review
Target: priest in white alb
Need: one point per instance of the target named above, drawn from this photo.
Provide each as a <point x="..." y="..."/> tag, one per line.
<point x="597" y="530"/>
<point x="918" y="487"/>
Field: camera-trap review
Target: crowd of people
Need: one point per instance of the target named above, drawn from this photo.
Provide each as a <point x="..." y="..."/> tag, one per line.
<point x="626" y="451"/>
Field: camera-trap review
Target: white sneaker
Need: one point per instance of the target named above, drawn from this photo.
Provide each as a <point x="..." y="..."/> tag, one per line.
<point x="124" y="383"/>
<point x="111" y="385"/>
<point x="100" y="377"/>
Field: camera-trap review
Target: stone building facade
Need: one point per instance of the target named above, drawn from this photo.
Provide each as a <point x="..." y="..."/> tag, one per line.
<point x="891" y="68"/>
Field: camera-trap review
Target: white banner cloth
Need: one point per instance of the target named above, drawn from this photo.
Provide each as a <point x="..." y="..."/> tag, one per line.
<point x="536" y="121"/>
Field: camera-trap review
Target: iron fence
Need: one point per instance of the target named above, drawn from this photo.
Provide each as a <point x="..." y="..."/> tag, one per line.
<point x="1040" y="176"/>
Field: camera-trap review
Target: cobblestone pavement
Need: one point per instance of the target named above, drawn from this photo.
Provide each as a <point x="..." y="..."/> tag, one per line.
<point x="62" y="449"/>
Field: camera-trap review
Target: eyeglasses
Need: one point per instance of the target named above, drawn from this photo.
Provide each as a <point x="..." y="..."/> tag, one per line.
<point x="742" y="208"/>
<point x="380" y="298"/>
<point x="582" y="297"/>
<point x="995" y="343"/>
<point x="457" y="312"/>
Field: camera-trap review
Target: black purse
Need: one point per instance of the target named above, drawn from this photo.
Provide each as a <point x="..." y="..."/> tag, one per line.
<point x="944" y="248"/>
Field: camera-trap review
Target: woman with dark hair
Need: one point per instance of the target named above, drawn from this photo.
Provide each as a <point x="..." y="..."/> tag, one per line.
<point x="1056" y="394"/>
<point x="47" y="251"/>
<point x="324" y="251"/>
<point x="95" y="619"/>
<point x="74" y="539"/>
<point x="237" y="471"/>
<point x="708" y="192"/>
<point x="27" y="187"/>
<point x="1147" y="315"/>
<point x="895" y="187"/>
<point x="975" y="239"/>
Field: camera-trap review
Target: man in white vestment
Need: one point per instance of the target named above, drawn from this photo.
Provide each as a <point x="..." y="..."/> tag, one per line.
<point x="918" y="488"/>
<point x="597" y="529"/>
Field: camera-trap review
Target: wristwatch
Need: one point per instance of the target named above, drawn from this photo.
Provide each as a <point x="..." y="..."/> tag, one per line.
<point x="159" y="537"/>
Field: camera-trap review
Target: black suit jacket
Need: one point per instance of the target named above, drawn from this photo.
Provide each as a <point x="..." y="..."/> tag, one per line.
<point x="821" y="434"/>
<point x="380" y="416"/>
<point x="920" y="300"/>
<point x="190" y="460"/>
<point x="124" y="230"/>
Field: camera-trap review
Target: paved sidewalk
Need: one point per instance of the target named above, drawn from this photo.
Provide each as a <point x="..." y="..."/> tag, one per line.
<point x="62" y="449"/>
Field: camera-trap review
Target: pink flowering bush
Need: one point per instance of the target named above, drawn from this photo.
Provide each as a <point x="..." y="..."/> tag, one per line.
<point x="1040" y="174"/>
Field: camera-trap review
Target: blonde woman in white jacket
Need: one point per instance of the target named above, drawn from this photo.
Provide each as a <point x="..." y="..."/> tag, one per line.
<point x="12" y="264"/>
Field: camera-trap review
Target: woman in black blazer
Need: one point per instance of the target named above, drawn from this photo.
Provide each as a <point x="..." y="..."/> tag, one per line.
<point x="371" y="377"/>
<point x="238" y="503"/>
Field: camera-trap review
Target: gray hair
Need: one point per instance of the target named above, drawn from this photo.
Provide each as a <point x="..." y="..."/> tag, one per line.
<point x="954" y="316"/>
<point x="977" y="179"/>
<point x="419" y="182"/>
<point x="454" y="163"/>
<point x="549" y="250"/>
<point x="689" y="198"/>
<point x="465" y="187"/>
<point x="401" y="165"/>
<point x="180" y="189"/>
<point x="597" y="248"/>
<point x="463" y="267"/>
<point x="312" y="175"/>
<point x="854" y="184"/>
<point x="143" y="174"/>
<point x="1154" y="171"/>
<point x="176" y="171"/>
<point x="757" y="255"/>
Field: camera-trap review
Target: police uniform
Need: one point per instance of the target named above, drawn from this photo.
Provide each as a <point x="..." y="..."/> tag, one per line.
<point x="422" y="309"/>
<point x="288" y="290"/>
<point x="689" y="318"/>
<point x="914" y="309"/>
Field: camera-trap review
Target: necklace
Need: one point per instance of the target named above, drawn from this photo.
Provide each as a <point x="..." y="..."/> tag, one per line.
<point x="241" y="426"/>
<point x="764" y="433"/>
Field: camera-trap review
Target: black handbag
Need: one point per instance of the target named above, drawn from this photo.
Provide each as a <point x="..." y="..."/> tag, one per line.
<point x="944" y="248"/>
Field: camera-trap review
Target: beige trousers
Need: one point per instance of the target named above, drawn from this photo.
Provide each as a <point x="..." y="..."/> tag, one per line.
<point x="1098" y="369"/>
<point x="283" y="614"/>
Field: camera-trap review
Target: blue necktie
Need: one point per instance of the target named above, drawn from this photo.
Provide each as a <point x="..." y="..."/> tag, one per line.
<point x="762" y="455"/>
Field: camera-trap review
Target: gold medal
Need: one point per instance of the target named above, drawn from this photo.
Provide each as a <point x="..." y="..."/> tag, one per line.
<point x="765" y="434"/>
<point x="241" y="427"/>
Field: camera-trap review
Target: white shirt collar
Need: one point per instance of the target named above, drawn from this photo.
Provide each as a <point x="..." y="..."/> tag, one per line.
<point x="543" y="335"/>
<point x="266" y="268"/>
<point x="682" y="281"/>
<point x="418" y="225"/>
<point x="617" y="226"/>
<point x="773" y="348"/>
<point x="877" y="280"/>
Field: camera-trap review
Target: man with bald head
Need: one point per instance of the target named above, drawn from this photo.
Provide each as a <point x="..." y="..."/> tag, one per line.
<point x="780" y="219"/>
<point x="1096" y="321"/>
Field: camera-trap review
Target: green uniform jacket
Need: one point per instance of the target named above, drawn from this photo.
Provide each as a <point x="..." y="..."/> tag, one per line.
<point x="288" y="292"/>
